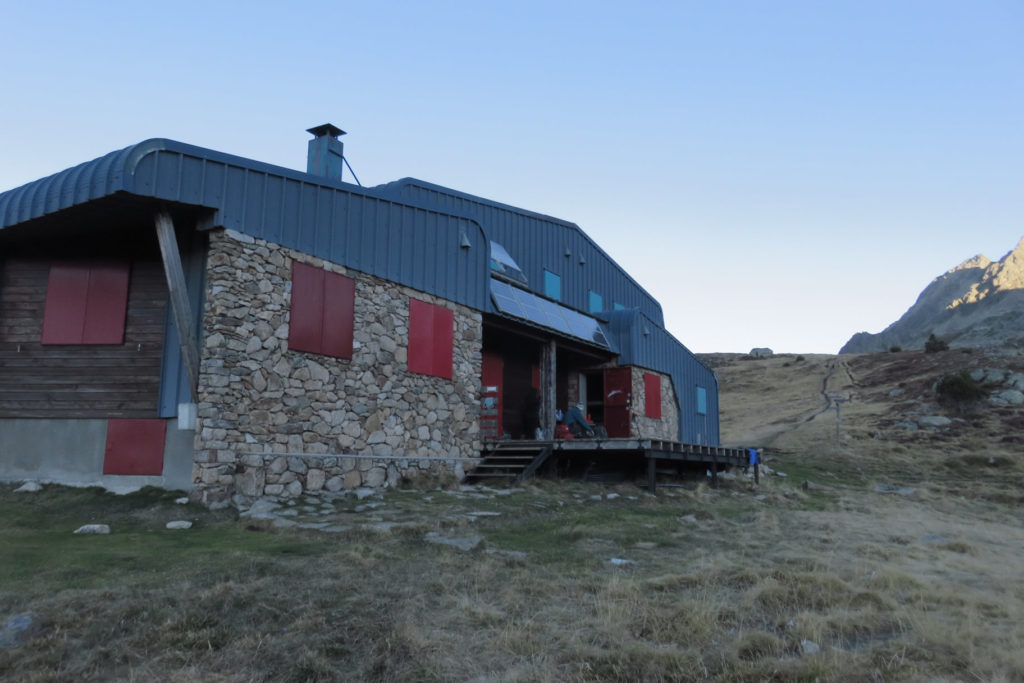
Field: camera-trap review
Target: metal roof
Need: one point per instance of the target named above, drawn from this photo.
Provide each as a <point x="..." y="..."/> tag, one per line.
<point x="538" y="242"/>
<point x="423" y="248"/>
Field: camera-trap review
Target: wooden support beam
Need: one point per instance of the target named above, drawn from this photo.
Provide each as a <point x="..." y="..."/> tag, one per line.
<point x="547" y="389"/>
<point x="179" y="300"/>
<point x="652" y="474"/>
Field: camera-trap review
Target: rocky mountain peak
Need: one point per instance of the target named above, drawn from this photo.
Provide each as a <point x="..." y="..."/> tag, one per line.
<point x="977" y="303"/>
<point x="976" y="261"/>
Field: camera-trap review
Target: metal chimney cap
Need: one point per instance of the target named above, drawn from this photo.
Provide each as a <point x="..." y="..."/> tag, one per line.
<point x="326" y="129"/>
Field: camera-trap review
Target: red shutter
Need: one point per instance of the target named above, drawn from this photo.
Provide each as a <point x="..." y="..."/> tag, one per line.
<point x="135" y="447"/>
<point x="421" y="336"/>
<point x="442" y="362"/>
<point x="86" y="303"/>
<point x="430" y="339"/>
<point x="107" y="304"/>
<point x="305" y="326"/>
<point x="338" y="316"/>
<point x="67" y="291"/>
<point x="323" y="306"/>
<point x="652" y="395"/>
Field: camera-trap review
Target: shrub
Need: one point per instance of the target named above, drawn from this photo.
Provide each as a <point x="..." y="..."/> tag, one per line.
<point x="934" y="344"/>
<point x="895" y="349"/>
<point x="800" y="358"/>
<point x="958" y="390"/>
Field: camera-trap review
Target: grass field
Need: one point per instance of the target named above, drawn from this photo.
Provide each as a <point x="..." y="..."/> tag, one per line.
<point x="568" y="581"/>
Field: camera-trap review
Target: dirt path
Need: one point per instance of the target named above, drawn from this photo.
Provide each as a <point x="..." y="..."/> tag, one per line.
<point x="835" y="376"/>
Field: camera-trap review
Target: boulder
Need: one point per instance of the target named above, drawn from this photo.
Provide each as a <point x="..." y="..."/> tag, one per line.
<point x="93" y="529"/>
<point x="1010" y="397"/>
<point x="761" y="352"/>
<point x="809" y="647"/>
<point x="16" y="630"/>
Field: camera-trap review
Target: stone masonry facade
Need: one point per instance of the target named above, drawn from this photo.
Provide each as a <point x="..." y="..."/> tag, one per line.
<point x="275" y="422"/>
<point x="667" y="427"/>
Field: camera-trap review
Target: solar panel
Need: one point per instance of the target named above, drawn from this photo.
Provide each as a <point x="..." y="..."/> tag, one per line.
<point x="524" y="305"/>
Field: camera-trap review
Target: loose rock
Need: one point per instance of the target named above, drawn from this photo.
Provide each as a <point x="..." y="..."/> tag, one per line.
<point x="889" y="488"/>
<point x="1010" y="397"/>
<point x="809" y="647"/>
<point x="15" y="631"/>
<point x="93" y="529"/>
<point x="465" y="543"/>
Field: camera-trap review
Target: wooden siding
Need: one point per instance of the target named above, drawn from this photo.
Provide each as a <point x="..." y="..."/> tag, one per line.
<point x="70" y="381"/>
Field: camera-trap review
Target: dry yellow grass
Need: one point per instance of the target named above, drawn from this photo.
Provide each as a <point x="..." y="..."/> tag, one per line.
<point x="738" y="583"/>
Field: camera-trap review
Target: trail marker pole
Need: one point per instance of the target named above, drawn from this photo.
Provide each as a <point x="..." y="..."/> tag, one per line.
<point x="838" y="400"/>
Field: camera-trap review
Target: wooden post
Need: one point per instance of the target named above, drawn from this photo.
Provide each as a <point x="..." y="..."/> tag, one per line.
<point x="547" y="389"/>
<point x="652" y="474"/>
<point x="179" y="300"/>
<point x="757" y="472"/>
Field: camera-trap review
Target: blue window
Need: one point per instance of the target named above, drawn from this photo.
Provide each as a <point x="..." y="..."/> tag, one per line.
<point x="552" y="286"/>
<point x="595" y="303"/>
<point x="702" y="401"/>
<point x="504" y="265"/>
<point x="619" y="307"/>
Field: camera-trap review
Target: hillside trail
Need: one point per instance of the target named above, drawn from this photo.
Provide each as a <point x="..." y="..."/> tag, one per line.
<point x="837" y="380"/>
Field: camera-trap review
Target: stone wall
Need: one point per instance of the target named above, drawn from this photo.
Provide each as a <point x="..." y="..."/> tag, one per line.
<point x="667" y="427"/>
<point x="278" y="422"/>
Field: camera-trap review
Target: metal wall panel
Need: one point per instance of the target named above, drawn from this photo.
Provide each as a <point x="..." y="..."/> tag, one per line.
<point x="538" y="243"/>
<point x="414" y="246"/>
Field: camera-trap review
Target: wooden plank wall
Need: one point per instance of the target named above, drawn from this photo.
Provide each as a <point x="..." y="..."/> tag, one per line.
<point x="101" y="381"/>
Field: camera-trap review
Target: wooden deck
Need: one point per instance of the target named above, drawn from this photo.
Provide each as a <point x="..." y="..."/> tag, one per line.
<point x="654" y="450"/>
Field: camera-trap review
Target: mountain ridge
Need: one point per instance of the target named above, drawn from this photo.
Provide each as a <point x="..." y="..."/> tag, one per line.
<point x="978" y="303"/>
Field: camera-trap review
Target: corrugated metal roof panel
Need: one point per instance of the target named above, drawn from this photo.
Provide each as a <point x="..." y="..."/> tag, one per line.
<point x="91" y="180"/>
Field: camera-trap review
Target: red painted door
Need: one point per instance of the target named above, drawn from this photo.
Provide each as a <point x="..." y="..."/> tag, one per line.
<point x="618" y="401"/>
<point x="491" y="399"/>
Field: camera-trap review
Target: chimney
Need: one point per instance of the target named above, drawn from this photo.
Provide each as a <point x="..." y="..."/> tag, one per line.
<point x="324" y="157"/>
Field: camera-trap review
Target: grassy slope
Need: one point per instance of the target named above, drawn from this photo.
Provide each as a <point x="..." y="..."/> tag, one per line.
<point x="723" y="584"/>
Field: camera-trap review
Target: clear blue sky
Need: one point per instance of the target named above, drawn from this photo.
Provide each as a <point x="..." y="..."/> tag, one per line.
<point x="779" y="174"/>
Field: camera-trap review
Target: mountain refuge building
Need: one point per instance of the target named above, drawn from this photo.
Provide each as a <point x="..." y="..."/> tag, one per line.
<point x="176" y="316"/>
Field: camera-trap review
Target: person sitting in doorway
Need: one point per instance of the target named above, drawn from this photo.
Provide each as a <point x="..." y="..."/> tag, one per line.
<point x="577" y="423"/>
